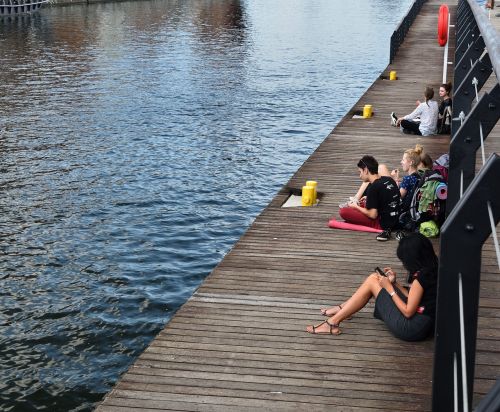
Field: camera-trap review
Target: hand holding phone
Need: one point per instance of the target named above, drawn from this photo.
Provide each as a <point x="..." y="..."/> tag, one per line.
<point x="391" y="275"/>
<point x="380" y="271"/>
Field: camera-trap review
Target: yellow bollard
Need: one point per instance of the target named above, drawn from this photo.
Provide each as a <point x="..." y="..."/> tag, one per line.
<point x="314" y="184"/>
<point x="307" y="195"/>
<point x="367" y="111"/>
<point x="393" y="75"/>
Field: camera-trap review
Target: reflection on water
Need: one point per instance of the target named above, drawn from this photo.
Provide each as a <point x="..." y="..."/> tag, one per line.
<point x="141" y="139"/>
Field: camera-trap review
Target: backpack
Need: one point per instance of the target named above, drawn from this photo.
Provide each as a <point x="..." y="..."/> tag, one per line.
<point x="425" y="204"/>
<point x="441" y="164"/>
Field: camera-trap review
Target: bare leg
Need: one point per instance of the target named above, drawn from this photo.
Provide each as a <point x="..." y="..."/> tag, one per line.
<point x="332" y="310"/>
<point x="383" y="170"/>
<point x="370" y="287"/>
<point x="361" y="190"/>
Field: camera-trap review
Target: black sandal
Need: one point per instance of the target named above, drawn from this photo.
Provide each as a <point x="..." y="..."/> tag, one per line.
<point x="330" y="332"/>
<point x="323" y="311"/>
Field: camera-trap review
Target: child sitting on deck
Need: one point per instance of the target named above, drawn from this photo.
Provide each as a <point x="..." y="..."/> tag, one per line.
<point x="409" y="313"/>
<point x="381" y="209"/>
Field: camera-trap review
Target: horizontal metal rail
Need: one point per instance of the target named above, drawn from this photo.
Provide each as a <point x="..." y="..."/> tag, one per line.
<point x="18" y="3"/>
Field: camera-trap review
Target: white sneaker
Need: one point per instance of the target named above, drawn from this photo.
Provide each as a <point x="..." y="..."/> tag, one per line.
<point x="394" y="119"/>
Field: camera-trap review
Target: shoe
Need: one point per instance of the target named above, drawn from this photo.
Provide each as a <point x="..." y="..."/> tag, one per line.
<point x="394" y="119"/>
<point x="333" y="326"/>
<point x="400" y="235"/>
<point x="384" y="236"/>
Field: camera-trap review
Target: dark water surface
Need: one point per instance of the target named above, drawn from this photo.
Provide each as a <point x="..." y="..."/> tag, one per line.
<point x="138" y="141"/>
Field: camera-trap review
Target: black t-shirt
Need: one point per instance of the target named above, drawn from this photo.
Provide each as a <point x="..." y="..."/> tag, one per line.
<point x="383" y="195"/>
<point x="428" y="281"/>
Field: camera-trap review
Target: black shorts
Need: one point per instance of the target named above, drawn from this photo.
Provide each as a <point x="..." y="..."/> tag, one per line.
<point x="418" y="327"/>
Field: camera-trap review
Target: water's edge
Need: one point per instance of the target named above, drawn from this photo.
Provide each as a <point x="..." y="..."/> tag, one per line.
<point x="139" y="140"/>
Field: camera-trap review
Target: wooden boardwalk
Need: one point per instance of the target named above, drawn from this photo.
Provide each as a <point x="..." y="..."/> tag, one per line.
<point x="239" y="343"/>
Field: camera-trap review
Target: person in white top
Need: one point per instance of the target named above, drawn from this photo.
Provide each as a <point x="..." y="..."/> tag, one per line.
<point x="427" y="111"/>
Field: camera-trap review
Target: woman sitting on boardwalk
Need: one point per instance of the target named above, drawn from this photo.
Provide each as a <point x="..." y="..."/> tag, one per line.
<point x="412" y="158"/>
<point x="426" y="111"/>
<point x="409" y="313"/>
<point x="444" y="119"/>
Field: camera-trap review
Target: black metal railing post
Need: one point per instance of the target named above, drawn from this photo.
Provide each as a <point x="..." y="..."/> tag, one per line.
<point x="463" y="64"/>
<point x="462" y="237"/>
<point x="401" y="31"/>
<point x="473" y="209"/>
<point x="465" y="143"/>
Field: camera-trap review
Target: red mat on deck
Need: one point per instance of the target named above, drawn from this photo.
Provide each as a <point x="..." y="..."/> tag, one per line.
<point x="335" y="224"/>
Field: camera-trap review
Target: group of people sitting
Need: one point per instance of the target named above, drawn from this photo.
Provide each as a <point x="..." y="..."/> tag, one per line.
<point x="384" y="197"/>
<point x="428" y="118"/>
<point x="382" y="202"/>
<point x="408" y="311"/>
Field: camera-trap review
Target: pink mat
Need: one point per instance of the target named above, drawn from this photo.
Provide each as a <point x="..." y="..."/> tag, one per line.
<point x="335" y="224"/>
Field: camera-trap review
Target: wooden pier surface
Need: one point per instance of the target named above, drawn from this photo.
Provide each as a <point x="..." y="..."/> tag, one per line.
<point x="239" y="343"/>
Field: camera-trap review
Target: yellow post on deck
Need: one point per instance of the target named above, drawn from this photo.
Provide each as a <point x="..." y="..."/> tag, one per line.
<point x="307" y="195"/>
<point x="314" y="184"/>
<point x="367" y="111"/>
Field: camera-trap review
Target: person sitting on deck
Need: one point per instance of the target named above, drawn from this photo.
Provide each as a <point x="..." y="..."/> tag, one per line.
<point x="427" y="112"/>
<point x="410" y="162"/>
<point x="426" y="162"/>
<point x="444" y="118"/>
<point x="413" y="160"/>
<point x="409" y="313"/>
<point x="380" y="211"/>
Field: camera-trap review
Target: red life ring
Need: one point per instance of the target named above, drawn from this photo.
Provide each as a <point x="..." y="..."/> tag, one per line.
<point x="443" y="25"/>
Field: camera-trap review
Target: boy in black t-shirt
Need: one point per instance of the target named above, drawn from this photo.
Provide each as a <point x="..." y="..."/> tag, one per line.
<point x="382" y="201"/>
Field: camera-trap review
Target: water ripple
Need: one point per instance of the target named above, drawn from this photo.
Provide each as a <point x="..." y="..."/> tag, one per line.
<point x="138" y="140"/>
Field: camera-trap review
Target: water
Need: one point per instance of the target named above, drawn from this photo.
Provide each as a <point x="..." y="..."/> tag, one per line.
<point x="138" y="142"/>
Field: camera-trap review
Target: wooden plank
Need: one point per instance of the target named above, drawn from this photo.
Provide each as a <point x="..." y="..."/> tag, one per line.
<point x="239" y="343"/>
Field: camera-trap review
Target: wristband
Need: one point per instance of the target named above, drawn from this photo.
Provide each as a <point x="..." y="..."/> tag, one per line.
<point x="392" y="293"/>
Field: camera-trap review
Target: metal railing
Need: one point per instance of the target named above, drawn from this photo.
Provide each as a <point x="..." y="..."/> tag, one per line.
<point x="473" y="208"/>
<point x="399" y="34"/>
<point x="15" y="7"/>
